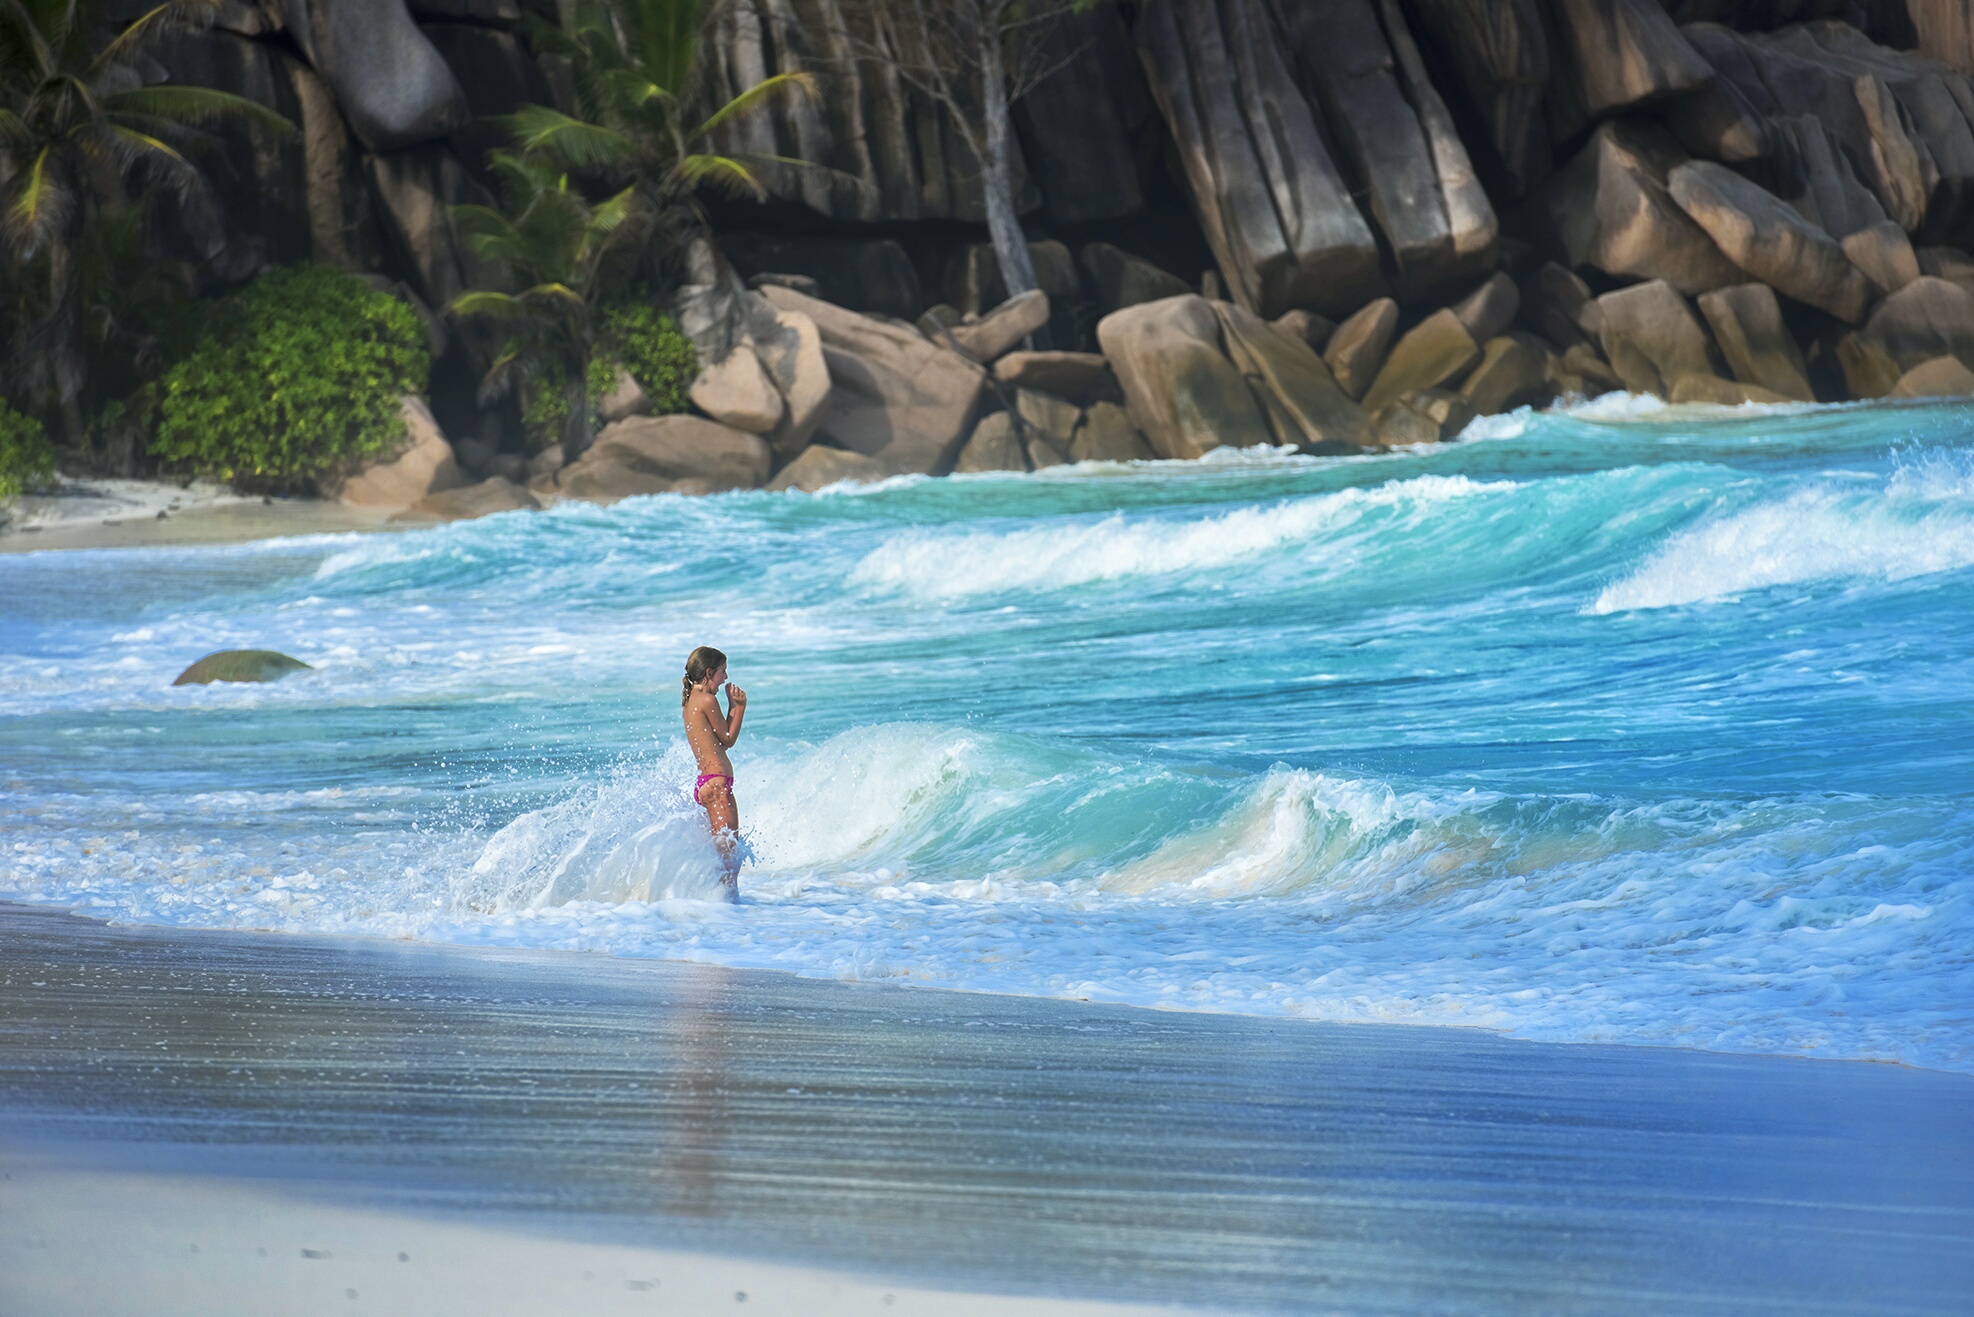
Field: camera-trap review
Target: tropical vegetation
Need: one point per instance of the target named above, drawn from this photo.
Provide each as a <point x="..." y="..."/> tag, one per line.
<point x="299" y="377"/>
<point x="25" y="460"/>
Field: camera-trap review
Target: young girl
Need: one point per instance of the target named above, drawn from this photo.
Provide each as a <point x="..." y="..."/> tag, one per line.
<point x="710" y="733"/>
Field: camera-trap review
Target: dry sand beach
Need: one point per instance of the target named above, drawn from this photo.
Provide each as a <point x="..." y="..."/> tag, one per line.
<point x="208" y="1122"/>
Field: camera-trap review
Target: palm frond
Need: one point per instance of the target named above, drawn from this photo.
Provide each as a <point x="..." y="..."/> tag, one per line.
<point x="540" y="130"/>
<point x="608" y="215"/>
<point x="482" y="302"/>
<point x="35" y="44"/>
<point x="40" y="205"/>
<point x="194" y="105"/>
<point x="782" y="84"/>
<point x="173" y="13"/>
<point x="722" y="173"/>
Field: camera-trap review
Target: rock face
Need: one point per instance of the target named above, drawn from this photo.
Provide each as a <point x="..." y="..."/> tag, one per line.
<point x="993" y="447"/>
<point x="1621" y="53"/>
<point x="1001" y="330"/>
<point x="1769" y="240"/>
<point x="1273" y="206"/>
<point x="1927" y="318"/>
<point x="1884" y="254"/>
<point x="904" y="403"/>
<point x="677" y="448"/>
<point x="1082" y="377"/>
<point x="1747" y="324"/>
<point x="1300" y="396"/>
<point x="1123" y="280"/>
<point x="1611" y="208"/>
<point x="1498" y="53"/>
<point x="240" y="665"/>
<point x="1107" y="435"/>
<point x="424" y="466"/>
<point x="393" y="87"/>
<point x="1512" y="372"/>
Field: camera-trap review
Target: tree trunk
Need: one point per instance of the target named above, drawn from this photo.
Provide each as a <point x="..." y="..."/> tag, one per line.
<point x="997" y="170"/>
<point x="576" y="431"/>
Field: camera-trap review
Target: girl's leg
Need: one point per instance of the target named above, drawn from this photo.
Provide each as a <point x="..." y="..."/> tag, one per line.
<point x="723" y="816"/>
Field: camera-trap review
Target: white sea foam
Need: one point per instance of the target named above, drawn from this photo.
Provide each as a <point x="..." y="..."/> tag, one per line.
<point x="945" y="564"/>
<point x="1917" y="522"/>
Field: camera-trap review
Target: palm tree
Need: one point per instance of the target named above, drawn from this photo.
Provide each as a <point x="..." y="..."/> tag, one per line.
<point x="79" y="132"/>
<point x="634" y="63"/>
<point x="563" y="249"/>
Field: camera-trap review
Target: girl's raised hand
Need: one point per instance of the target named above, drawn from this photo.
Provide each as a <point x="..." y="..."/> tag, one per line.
<point x="735" y="695"/>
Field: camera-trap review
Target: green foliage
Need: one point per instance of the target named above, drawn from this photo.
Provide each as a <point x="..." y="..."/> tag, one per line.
<point x="640" y="339"/>
<point x="651" y="348"/>
<point x="25" y="459"/>
<point x="301" y="377"/>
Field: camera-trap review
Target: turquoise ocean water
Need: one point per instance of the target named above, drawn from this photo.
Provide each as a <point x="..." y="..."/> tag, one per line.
<point x="1629" y="724"/>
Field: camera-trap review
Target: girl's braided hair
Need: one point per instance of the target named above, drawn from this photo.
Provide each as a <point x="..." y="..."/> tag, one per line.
<point x="698" y="664"/>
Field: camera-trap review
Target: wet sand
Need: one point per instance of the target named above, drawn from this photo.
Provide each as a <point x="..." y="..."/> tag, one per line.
<point x="124" y="514"/>
<point x="548" y="1129"/>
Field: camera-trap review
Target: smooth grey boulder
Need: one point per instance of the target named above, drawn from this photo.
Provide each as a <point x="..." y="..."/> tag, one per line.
<point x="1652" y="338"/>
<point x="1276" y="212"/>
<point x="1747" y="323"/>
<point x="821" y="466"/>
<point x="1499" y="57"/>
<point x="391" y="84"/>
<point x="1613" y="54"/>
<point x="1769" y="239"/>
<point x="1081" y="377"/>
<point x="1123" y="280"/>
<point x="994" y="446"/>
<point x="1929" y="317"/>
<point x="1942" y="377"/>
<point x="1437" y="351"/>
<point x="895" y="398"/>
<point x="1357" y="350"/>
<point x="1305" y="406"/>
<point x="1885" y="255"/>
<point x="240" y="665"/>
<point x="1398" y="141"/>
<point x="1107" y="435"/>
<point x="1610" y="208"/>
<point x="1180" y="389"/>
<point x="1490" y="309"/>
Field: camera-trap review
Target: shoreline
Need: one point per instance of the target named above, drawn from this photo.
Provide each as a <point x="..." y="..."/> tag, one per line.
<point x="91" y="513"/>
<point x="960" y="1141"/>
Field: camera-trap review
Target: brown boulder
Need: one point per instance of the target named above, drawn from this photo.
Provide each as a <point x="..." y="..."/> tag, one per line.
<point x="1400" y="424"/>
<point x="1580" y="372"/>
<point x="1610" y="207"/>
<point x="790" y="351"/>
<point x="626" y="398"/>
<point x="993" y="447"/>
<point x="424" y="465"/>
<point x="1513" y="372"/>
<point x="602" y="480"/>
<point x="1929" y="317"/>
<point x="1449" y="410"/>
<point x="1179" y="386"/>
<point x="1082" y="377"/>
<point x="1869" y="371"/>
<point x="1747" y="324"/>
<point x="895" y="398"/>
<point x="1357" y="350"/>
<point x="1043" y="452"/>
<point x="1305" y="405"/>
<point x="1052" y="416"/>
<point x="483" y="499"/>
<point x="1942" y="377"/>
<point x="1769" y="239"/>
<point x="1884" y="253"/>
<point x="678" y="448"/>
<point x="1721" y="393"/>
<point x="1490" y="309"/>
<point x="1652" y="338"/>
<point x="1437" y="351"/>
<point x="1311" y="328"/>
<point x="736" y="391"/>
<point x="1001" y="330"/>
<point x="820" y="466"/>
<point x="1558" y="305"/>
<point x="1107" y="435"/>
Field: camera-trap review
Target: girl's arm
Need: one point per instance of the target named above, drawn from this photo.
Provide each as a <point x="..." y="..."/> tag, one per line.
<point x="729" y="732"/>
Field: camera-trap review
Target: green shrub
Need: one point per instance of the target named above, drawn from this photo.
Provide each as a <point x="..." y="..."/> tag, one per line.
<point x="302" y="376"/>
<point x="25" y="458"/>
<point x="636" y="336"/>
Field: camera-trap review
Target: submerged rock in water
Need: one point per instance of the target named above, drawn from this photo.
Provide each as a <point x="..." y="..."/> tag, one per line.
<point x="241" y="665"/>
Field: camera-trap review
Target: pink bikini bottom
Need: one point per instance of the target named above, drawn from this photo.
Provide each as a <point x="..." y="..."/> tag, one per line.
<point x="704" y="778"/>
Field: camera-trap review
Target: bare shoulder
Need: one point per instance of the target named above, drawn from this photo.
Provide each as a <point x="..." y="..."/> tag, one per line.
<point x="702" y="704"/>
